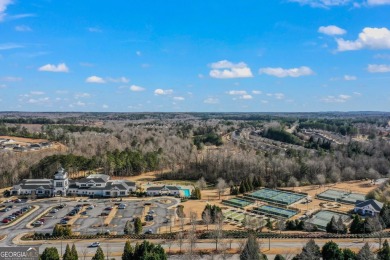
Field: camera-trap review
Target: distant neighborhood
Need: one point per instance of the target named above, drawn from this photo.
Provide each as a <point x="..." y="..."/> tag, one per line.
<point x="7" y="144"/>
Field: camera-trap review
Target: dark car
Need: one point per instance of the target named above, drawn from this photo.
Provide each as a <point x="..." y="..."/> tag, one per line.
<point x="104" y="214"/>
<point x="108" y="208"/>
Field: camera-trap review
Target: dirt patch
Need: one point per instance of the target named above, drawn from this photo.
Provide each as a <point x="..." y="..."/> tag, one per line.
<point x="110" y="216"/>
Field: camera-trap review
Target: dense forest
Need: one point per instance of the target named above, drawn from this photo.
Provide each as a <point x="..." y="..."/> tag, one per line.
<point x="280" y="149"/>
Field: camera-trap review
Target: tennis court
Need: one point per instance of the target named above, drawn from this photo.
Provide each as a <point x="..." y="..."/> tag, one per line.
<point x="275" y="211"/>
<point x="323" y="217"/>
<point x="234" y="215"/>
<point x="341" y="196"/>
<point x="237" y="202"/>
<point x="276" y="196"/>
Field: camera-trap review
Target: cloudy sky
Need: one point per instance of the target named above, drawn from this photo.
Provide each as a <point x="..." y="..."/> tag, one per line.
<point x="186" y="55"/>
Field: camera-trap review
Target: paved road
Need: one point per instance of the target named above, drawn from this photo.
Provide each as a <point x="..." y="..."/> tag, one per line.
<point x="115" y="247"/>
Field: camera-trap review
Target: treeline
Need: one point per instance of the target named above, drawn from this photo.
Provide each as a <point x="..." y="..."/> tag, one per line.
<point x="332" y="251"/>
<point x="331" y="125"/>
<point x="19" y="131"/>
<point x="281" y="136"/>
<point x="141" y="251"/>
<point x="117" y="163"/>
<point x="208" y="139"/>
<point x="60" y="132"/>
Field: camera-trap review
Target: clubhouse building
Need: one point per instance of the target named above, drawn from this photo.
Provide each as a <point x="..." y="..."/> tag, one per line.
<point x="95" y="185"/>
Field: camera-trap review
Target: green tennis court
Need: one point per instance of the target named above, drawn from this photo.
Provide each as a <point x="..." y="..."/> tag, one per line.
<point x="341" y="196"/>
<point x="237" y="202"/>
<point x="276" y="196"/>
<point x="323" y="217"/>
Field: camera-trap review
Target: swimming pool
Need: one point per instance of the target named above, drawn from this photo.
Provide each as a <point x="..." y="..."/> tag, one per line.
<point x="187" y="192"/>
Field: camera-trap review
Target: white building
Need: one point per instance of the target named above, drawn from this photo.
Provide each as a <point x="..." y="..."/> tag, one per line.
<point x="163" y="190"/>
<point x="95" y="185"/>
<point x="368" y="207"/>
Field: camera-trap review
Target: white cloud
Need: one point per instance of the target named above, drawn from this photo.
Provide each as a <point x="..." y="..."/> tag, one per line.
<point x="38" y="101"/>
<point x="357" y="93"/>
<point x="378" y="68"/>
<point x="80" y="104"/>
<point x="281" y="73"/>
<point x="369" y="38"/>
<point x="160" y="91"/>
<point x="94" y="29"/>
<point x="23" y="28"/>
<point x="53" y="68"/>
<point x="179" y="98"/>
<point x="37" y="92"/>
<point x="136" y="88"/>
<point x="349" y="77"/>
<point x="82" y="95"/>
<point x="3" y="86"/>
<point x="138" y="53"/>
<point x="336" y="99"/>
<point x="211" y="100"/>
<point x="382" y="56"/>
<point x="11" y="79"/>
<point x="322" y="3"/>
<point x="276" y="95"/>
<point x="378" y="2"/>
<point x="237" y="92"/>
<point x="118" y="80"/>
<point x="3" y="7"/>
<point x="201" y="76"/>
<point x="9" y="46"/>
<point x="331" y="30"/>
<point x="256" y="92"/>
<point x="246" y="96"/>
<point x="225" y="69"/>
<point x="95" y="79"/>
<point x="105" y="106"/>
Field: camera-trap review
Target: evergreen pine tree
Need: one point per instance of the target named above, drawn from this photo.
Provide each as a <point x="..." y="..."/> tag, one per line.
<point x="365" y="253"/>
<point x="357" y="225"/>
<point x="75" y="255"/>
<point x="68" y="253"/>
<point x="349" y="254"/>
<point x="331" y="251"/>
<point x="137" y="226"/>
<point x="251" y="250"/>
<point x="384" y="252"/>
<point x="50" y="253"/>
<point x="279" y="257"/>
<point x="128" y="252"/>
<point x="99" y="255"/>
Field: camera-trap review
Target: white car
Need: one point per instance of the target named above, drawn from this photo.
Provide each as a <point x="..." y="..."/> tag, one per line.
<point x="94" y="244"/>
<point x="90" y="207"/>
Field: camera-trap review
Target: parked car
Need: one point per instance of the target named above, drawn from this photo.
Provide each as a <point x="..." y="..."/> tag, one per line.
<point x="37" y="223"/>
<point x="90" y="207"/>
<point x="67" y="218"/>
<point x="5" y="210"/>
<point x="6" y="220"/>
<point x="42" y="220"/>
<point x="108" y="208"/>
<point x="94" y="244"/>
<point x="63" y="222"/>
<point x="148" y="217"/>
<point x="54" y="211"/>
<point x="151" y="212"/>
<point x="121" y="206"/>
<point x="83" y="213"/>
<point x="72" y="213"/>
<point x="149" y="231"/>
<point x="104" y="214"/>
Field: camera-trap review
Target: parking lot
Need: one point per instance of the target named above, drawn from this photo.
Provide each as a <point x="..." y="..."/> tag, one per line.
<point x="93" y="216"/>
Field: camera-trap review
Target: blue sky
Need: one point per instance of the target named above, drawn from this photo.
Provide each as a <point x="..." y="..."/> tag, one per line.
<point x="186" y="55"/>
